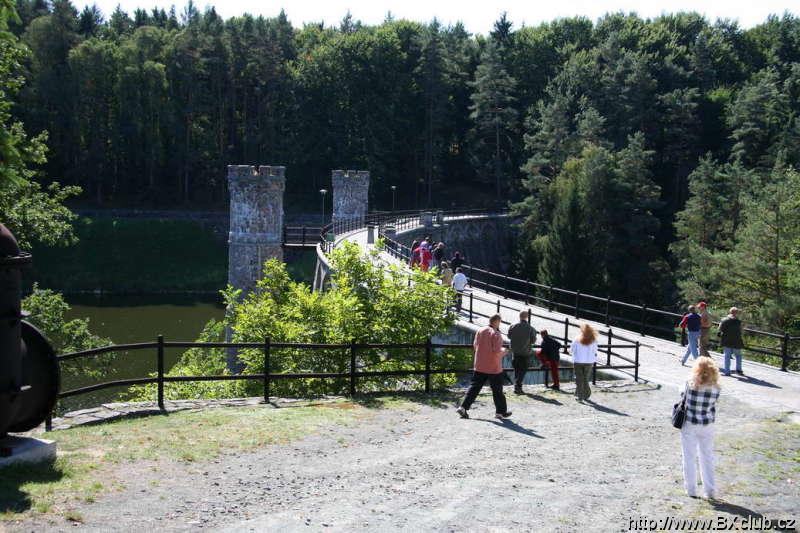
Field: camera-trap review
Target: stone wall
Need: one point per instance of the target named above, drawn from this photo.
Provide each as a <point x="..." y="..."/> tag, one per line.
<point x="350" y="194"/>
<point x="484" y="242"/>
<point x="256" y="221"/>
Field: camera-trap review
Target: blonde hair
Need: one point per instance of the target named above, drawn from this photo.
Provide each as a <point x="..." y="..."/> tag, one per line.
<point x="704" y="372"/>
<point x="588" y="334"/>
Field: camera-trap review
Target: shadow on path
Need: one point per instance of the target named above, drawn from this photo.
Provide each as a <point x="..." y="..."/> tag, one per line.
<point x="750" y="380"/>
<point x="540" y="398"/>
<point x="13" y="498"/>
<point x="743" y="512"/>
<point x="509" y="424"/>
<point x="604" y="409"/>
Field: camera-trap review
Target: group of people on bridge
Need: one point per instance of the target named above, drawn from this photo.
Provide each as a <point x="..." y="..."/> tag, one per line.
<point x="697" y="326"/>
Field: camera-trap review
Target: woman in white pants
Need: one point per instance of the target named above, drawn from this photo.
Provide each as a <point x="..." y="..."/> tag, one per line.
<point x="697" y="433"/>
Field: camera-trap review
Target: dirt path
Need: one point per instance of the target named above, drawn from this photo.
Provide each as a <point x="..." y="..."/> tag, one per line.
<point x="555" y="466"/>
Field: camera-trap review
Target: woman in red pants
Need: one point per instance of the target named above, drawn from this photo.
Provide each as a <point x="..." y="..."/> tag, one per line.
<point x="549" y="355"/>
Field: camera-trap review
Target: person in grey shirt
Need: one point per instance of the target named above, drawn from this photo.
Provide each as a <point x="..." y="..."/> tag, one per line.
<point x="522" y="337"/>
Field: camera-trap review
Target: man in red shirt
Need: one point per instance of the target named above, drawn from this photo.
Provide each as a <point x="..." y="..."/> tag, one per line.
<point x="489" y="354"/>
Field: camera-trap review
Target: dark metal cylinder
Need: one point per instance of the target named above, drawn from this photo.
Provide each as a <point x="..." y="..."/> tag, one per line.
<point x="29" y="376"/>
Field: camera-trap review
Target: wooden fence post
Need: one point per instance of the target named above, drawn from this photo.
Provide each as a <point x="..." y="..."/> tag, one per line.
<point x="644" y="318"/>
<point x="608" y="349"/>
<point x="352" y="368"/>
<point x="636" y="358"/>
<point x="608" y="304"/>
<point x="266" y="369"/>
<point x="577" y="303"/>
<point x="428" y="365"/>
<point x="566" y="333"/>
<point x="785" y="352"/>
<point x="160" y="363"/>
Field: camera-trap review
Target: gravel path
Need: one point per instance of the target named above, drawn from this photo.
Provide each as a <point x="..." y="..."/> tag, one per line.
<point x="555" y="466"/>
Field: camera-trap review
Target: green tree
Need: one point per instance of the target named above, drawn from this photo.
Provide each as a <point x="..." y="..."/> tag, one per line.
<point x="495" y="119"/>
<point x="30" y="212"/>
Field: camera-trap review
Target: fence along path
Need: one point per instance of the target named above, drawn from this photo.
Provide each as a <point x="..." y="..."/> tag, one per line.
<point x="762" y="386"/>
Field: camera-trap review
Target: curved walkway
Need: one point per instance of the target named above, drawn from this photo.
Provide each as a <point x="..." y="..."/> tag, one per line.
<point x="762" y="386"/>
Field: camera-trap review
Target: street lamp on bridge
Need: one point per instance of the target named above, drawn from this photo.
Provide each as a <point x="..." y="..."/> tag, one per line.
<point x="394" y="190"/>
<point x="322" y="193"/>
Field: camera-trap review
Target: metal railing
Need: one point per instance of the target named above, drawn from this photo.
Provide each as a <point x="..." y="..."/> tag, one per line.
<point x="644" y="319"/>
<point x="430" y="365"/>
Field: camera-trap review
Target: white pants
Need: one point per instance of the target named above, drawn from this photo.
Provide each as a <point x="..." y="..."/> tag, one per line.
<point x="696" y="437"/>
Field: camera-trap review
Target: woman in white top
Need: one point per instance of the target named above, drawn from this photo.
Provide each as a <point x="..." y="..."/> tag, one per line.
<point x="584" y="355"/>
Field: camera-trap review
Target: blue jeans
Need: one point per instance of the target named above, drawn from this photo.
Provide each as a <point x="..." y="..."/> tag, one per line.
<point x="728" y="352"/>
<point x="694" y="337"/>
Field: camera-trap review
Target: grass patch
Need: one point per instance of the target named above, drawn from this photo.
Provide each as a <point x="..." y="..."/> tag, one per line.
<point x="95" y="459"/>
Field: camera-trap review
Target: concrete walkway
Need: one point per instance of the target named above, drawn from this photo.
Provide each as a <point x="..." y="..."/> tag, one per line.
<point x="762" y="386"/>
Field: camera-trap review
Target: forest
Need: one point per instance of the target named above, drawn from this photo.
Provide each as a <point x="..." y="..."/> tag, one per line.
<point x="650" y="159"/>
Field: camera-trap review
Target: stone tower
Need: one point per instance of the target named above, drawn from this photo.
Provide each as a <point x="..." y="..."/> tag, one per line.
<point x="256" y="223"/>
<point x="350" y="194"/>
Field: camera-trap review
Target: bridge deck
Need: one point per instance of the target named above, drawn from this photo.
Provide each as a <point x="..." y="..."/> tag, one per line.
<point x="763" y="386"/>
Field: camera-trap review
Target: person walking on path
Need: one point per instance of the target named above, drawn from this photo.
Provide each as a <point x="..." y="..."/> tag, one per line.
<point x="584" y="356"/>
<point x="522" y="337"/>
<point x="459" y="284"/>
<point x="730" y="338"/>
<point x="456" y="261"/>
<point x="706" y="322"/>
<point x="488" y="366"/>
<point x="697" y="432"/>
<point x="425" y="258"/>
<point x="447" y="274"/>
<point x="414" y="254"/>
<point x="438" y="255"/>
<point x="691" y="323"/>
<point x="550" y="356"/>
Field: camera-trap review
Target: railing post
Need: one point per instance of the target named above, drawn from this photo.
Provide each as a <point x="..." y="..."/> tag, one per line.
<point x="636" y="358"/>
<point x="566" y="333"/>
<point x="594" y="373"/>
<point x="470" y="306"/>
<point x="304" y="235"/>
<point x="529" y="316"/>
<point x="498" y="306"/>
<point x="505" y="286"/>
<point x="266" y="369"/>
<point x="428" y="365"/>
<point x="683" y="337"/>
<point x="577" y="303"/>
<point x="785" y="352"/>
<point x="160" y="364"/>
<point x="48" y="422"/>
<point x="550" y="300"/>
<point x="352" y="368"/>
<point x="284" y="234"/>
<point x="608" y="349"/>
<point x="608" y="304"/>
<point x="644" y="318"/>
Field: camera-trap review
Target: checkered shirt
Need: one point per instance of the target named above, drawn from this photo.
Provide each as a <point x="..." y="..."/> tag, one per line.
<point x="701" y="405"/>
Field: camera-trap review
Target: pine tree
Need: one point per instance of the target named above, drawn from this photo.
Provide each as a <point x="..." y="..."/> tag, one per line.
<point x="566" y="252"/>
<point x="494" y="118"/>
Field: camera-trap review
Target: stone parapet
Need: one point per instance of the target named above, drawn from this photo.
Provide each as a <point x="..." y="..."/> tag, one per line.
<point x="350" y="194"/>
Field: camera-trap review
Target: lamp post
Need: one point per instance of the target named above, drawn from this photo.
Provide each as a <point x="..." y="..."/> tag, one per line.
<point x="394" y="190"/>
<point x="322" y="193"/>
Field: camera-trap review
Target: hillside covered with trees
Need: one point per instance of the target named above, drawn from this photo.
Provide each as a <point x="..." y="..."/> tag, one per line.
<point x="650" y="159"/>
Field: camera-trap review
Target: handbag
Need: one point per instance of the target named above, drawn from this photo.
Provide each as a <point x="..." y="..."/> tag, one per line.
<point x="679" y="410"/>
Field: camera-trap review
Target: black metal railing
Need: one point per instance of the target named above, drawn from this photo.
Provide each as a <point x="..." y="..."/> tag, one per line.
<point x="646" y="320"/>
<point x="432" y="363"/>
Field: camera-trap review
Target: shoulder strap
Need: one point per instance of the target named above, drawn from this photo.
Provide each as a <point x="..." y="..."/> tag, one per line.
<point x="685" y="394"/>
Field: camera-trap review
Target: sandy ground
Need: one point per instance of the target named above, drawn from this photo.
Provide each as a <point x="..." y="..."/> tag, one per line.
<point x="556" y="465"/>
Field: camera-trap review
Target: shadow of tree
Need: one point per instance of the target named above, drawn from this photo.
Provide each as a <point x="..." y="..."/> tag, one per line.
<point x="12" y="497"/>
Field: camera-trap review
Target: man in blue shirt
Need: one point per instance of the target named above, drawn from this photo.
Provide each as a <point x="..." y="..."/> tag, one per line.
<point x="691" y="321"/>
